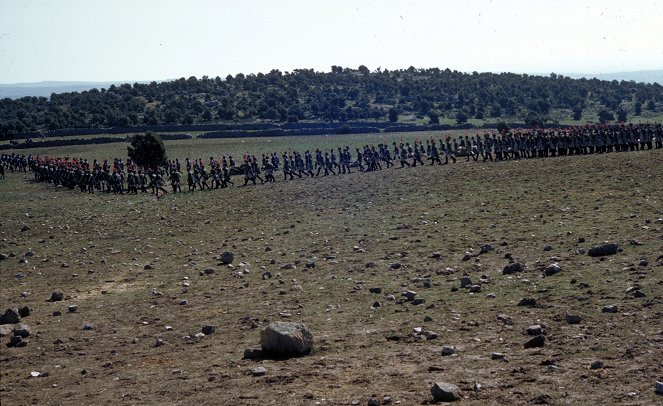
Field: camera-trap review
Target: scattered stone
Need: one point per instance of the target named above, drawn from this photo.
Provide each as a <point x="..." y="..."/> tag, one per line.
<point x="16" y="341"/>
<point x="497" y="356"/>
<point x="285" y="338"/>
<point x="418" y="301"/>
<point x="258" y="371"/>
<point x="5" y="330"/>
<point x="57" y="313"/>
<point x="428" y="319"/>
<point x="467" y="256"/>
<point x="395" y="265"/>
<point x="253" y="353"/>
<point x="72" y="308"/>
<point x="24" y="229"/>
<point x="56" y="297"/>
<point x="536" y="342"/>
<point x="24" y="311"/>
<point x="310" y="265"/>
<point x="436" y="255"/>
<point x="445" y="392"/>
<point x="475" y="288"/>
<point x="534" y="330"/>
<point x="659" y="387"/>
<point x="491" y="296"/>
<point x="373" y="402"/>
<point x="527" y="301"/>
<point x="376" y="305"/>
<point x="465" y="281"/>
<point x="513" y="268"/>
<point x="11" y="316"/>
<point x="207" y="330"/>
<point x="547" y="247"/>
<point x="486" y="248"/>
<point x="266" y="275"/>
<point x="159" y="342"/>
<point x="597" y="365"/>
<point x="581" y="240"/>
<point x="88" y="326"/>
<point x="390" y="297"/>
<point x="371" y="265"/>
<point x="208" y="271"/>
<point x="22" y="330"/>
<point x="410" y="295"/>
<point x="148" y="267"/>
<point x="287" y="266"/>
<point x="573" y="319"/>
<point x="552" y="269"/>
<point x="505" y="319"/>
<point x="610" y="309"/>
<point x="227" y="257"/>
<point x="447" y="351"/>
<point x="643" y="262"/>
<point x="603" y="250"/>
<point x="386" y="400"/>
<point x="3" y="256"/>
<point x="375" y="290"/>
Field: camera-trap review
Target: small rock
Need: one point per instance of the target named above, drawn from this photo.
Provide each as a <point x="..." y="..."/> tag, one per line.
<point x="266" y="275"/>
<point x="24" y="229"/>
<point x="643" y="262"/>
<point x="386" y="400"/>
<point x="659" y="387"/>
<point x="535" y="342"/>
<point x="465" y="281"/>
<point x="373" y="402"/>
<point x="56" y="297"/>
<point x="208" y="271"/>
<point x="552" y="269"/>
<point x="428" y="319"/>
<point x="258" y="371"/>
<point x="491" y="296"/>
<point x="410" y="295"/>
<point x="88" y="326"/>
<point x="227" y="257"/>
<point x="148" y="267"/>
<point x="467" y="256"/>
<point x="597" y="365"/>
<point x="253" y="353"/>
<point x="5" y="330"/>
<point x="418" y="301"/>
<point x="15" y="341"/>
<point x="534" y="330"/>
<point x="505" y="319"/>
<point x="498" y="356"/>
<point x="287" y="266"/>
<point x="11" y="316"/>
<point x="486" y="248"/>
<point x="475" y="288"/>
<point x="436" y="255"/>
<point x="610" y="309"/>
<point x="22" y="330"/>
<point x="527" y="301"/>
<point x="23" y="311"/>
<point x="159" y="342"/>
<point x="447" y="351"/>
<point x="581" y="240"/>
<point x="376" y="305"/>
<point x="72" y="308"/>
<point x="57" y="313"/>
<point x="513" y="268"/>
<point x="3" y="256"/>
<point x="395" y="265"/>
<point x="207" y="330"/>
<point x="390" y="297"/>
<point x="603" y="250"/>
<point x="310" y="265"/>
<point x="573" y="319"/>
<point x="547" y="247"/>
<point x="445" y="392"/>
<point x="286" y="338"/>
<point x="375" y="290"/>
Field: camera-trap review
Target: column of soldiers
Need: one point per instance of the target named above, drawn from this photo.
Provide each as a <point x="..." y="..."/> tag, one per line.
<point x="110" y="177"/>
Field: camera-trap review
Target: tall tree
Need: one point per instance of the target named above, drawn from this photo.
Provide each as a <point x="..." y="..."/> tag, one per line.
<point x="147" y="150"/>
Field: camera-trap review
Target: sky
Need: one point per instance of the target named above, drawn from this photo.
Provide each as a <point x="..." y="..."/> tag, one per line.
<point x="119" y="40"/>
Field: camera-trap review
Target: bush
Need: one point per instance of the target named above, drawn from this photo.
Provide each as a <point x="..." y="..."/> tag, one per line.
<point x="147" y="150"/>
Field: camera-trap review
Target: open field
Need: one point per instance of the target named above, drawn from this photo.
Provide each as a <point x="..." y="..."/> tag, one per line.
<point x="123" y="261"/>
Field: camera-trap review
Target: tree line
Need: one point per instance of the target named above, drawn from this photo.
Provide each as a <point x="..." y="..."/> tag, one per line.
<point x="341" y="95"/>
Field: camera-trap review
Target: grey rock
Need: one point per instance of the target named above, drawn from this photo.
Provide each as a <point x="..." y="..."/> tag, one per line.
<point x="15" y="341"/>
<point x="266" y="275"/>
<point x="56" y="296"/>
<point x="371" y="265"/>
<point x="258" y="371"/>
<point x="505" y="319"/>
<point x="573" y="319"/>
<point x="88" y="326"/>
<point x="445" y="392"/>
<point x="208" y="271"/>
<point x="659" y="387"/>
<point x="486" y="248"/>
<point x="3" y="256"/>
<point x="610" y="309"/>
<point x="467" y="256"/>
<point x="534" y="330"/>
<point x="410" y="295"/>
<point x="395" y="265"/>
<point x="436" y="255"/>
<point x="418" y="301"/>
<point x="373" y="402"/>
<point x="390" y="297"/>
<point x="227" y="257"/>
<point x="513" y="268"/>
<point x="447" y="351"/>
<point x="386" y="400"/>
<point x="547" y="247"/>
<point x="11" y="316"/>
<point x="597" y="364"/>
<point x="475" y="288"/>
<point x="376" y="305"/>
<point x="148" y="267"/>
<point x="24" y="311"/>
<point x="207" y="330"/>
<point x="643" y="262"/>
<point x="286" y="338"/>
<point x="603" y="250"/>
<point x="637" y="293"/>
<point x="552" y="269"/>
<point x="5" y="330"/>
<point x="376" y="290"/>
<point x="159" y="342"/>
<point x="57" y="313"/>
<point x="287" y="266"/>
<point x="428" y="319"/>
<point x="310" y="264"/>
<point x="72" y="308"/>
<point x="536" y="342"/>
<point x="25" y="228"/>
<point x="465" y="281"/>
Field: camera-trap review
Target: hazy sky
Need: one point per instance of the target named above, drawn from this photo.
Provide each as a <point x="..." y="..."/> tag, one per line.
<point x="104" y="40"/>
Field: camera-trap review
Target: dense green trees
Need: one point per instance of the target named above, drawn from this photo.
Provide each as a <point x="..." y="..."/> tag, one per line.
<point x="341" y="95"/>
<point x="147" y="150"/>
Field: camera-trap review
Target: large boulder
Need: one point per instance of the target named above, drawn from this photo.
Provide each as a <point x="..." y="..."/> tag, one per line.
<point x="11" y="316"/>
<point x="603" y="250"/>
<point x="445" y="392"/>
<point x="286" y="339"/>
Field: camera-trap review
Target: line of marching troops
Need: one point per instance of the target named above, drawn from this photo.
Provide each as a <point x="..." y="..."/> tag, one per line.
<point x="111" y="178"/>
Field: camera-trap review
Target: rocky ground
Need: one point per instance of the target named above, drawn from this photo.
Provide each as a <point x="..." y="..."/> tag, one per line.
<point x="477" y="275"/>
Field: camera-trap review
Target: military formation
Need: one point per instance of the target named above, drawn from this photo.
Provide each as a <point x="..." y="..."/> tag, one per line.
<point x="126" y="177"/>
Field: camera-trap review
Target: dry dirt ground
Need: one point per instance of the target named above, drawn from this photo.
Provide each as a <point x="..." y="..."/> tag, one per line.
<point x="126" y="261"/>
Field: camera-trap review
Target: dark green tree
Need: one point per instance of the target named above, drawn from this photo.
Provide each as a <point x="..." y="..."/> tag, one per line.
<point x="605" y="116"/>
<point x="393" y="115"/>
<point x="577" y="113"/>
<point x="621" y="115"/>
<point x="638" y="108"/>
<point x="433" y="118"/>
<point x="147" y="150"/>
<point x="651" y="105"/>
<point x="461" y="117"/>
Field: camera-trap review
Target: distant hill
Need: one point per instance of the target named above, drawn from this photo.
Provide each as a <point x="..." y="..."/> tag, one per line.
<point x="645" y="76"/>
<point x="304" y="96"/>
<point x="45" y="89"/>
